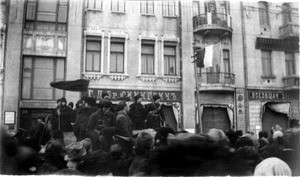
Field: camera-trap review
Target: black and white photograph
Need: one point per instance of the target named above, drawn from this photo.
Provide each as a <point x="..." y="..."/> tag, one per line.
<point x="149" y="88"/>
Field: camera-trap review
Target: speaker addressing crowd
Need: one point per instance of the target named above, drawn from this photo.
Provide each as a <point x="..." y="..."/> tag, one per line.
<point x="134" y="140"/>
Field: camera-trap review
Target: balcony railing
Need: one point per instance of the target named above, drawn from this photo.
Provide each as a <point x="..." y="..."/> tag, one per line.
<point x="291" y="81"/>
<point x="217" y="78"/>
<point x="289" y="30"/>
<point x="212" y="21"/>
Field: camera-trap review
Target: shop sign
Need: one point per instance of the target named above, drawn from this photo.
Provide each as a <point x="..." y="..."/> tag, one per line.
<point x="9" y="117"/>
<point x="116" y="94"/>
<point x="276" y="44"/>
<point x="272" y="95"/>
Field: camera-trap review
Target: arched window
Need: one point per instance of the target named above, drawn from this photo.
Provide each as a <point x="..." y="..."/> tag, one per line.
<point x="263" y="13"/>
<point x="286" y="13"/>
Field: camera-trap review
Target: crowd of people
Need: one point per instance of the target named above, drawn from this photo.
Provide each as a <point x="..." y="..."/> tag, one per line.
<point x="133" y="140"/>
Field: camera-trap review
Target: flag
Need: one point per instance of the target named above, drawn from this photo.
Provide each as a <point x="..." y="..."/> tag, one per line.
<point x="209" y="56"/>
<point x="80" y="85"/>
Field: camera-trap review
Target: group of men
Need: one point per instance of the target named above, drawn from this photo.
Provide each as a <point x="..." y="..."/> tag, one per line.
<point x="104" y="124"/>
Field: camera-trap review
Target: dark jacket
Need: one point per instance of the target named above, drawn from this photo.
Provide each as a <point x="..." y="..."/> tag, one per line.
<point x="101" y="123"/>
<point x="124" y="124"/>
<point x="137" y="115"/>
<point x="154" y="116"/>
<point x="63" y="121"/>
<point x="81" y="122"/>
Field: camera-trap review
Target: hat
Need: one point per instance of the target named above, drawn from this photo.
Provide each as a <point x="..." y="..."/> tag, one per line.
<point x="104" y="94"/>
<point x="136" y="97"/>
<point x="277" y="134"/>
<point x="91" y="101"/>
<point x="76" y="151"/>
<point x="63" y="99"/>
<point x="276" y="128"/>
<point x="58" y="100"/>
<point x="71" y="104"/>
<point x="155" y="97"/>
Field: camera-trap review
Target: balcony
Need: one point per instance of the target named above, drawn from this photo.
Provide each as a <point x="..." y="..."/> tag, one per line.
<point x="216" y="81"/>
<point x="212" y="24"/>
<point x="289" y="30"/>
<point x="291" y="83"/>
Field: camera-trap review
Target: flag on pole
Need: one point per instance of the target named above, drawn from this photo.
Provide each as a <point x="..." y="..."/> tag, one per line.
<point x="209" y="56"/>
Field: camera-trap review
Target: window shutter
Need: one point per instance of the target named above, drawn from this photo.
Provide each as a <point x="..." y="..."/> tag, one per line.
<point x="62" y="14"/>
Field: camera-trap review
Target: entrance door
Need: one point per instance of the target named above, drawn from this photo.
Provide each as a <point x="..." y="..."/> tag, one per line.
<point x="215" y="117"/>
<point x="271" y="118"/>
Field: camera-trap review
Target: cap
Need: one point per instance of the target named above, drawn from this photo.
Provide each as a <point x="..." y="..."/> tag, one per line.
<point x="156" y="97"/>
<point x="63" y="99"/>
<point x="138" y="96"/>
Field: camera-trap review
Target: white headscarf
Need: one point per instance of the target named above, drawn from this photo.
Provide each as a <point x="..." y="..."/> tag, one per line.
<point x="272" y="167"/>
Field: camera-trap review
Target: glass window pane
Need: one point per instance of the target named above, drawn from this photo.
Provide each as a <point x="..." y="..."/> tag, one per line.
<point x="58" y="93"/>
<point x="27" y="67"/>
<point x="60" y="69"/>
<point x="113" y="62"/>
<point x="144" y="64"/>
<point x="114" y="5"/>
<point x="150" y="7"/>
<point x="98" y="4"/>
<point x="96" y="57"/>
<point x="45" y="63"/>
<point x="121" y="7"/>
<point x="171" y="8"/>
<point x="195" y="8"/>
<point x="62" y="14"/>
<point x="89" y="61"/>
<point x="143" y="6"/>
<point x="26" y="87"/>
<point x="93" y="46"/>
<point x="42" y="78"/>
<point x="30" y="14"/>
<point x="116" y="47"/>
<point x="42" y="93"/>
<point x="120" y="63"/>
<point x="47" y="6"/>
<point x="147" y="49"/>
<point x="169" y="51"/>
<point x="165" y="7"/>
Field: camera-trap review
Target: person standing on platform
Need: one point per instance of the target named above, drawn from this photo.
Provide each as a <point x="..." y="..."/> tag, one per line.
<point x="136" y="113"/>
<point x="155" y="116"/>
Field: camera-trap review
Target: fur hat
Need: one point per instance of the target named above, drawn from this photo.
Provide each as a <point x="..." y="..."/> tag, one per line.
<point x="155" y="97"/>
<point x="136" y="97"/>
<point x="63" y="99"/>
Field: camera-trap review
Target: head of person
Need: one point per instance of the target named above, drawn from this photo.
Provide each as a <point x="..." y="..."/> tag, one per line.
<point x="107" y="104"/>
<point x="276" y="128"/>
<point x="79" y="104"/>
<point x="144" y="142"/>
<point x="294" y="123"/>
<point x="138" y="98"/>
<point x="58" y="102"/>
<point x="156" y="98"/>
<point x="71" y="105"/>
<point x="75" y="154"/>
<point x="161" y="136"/>
<point x="90" y="102"/>
<point x="262" y="134"/>
<point x="63" y="101"/>
<point x="122" y="106"/>
<point x="272" y="166"/>
<point x="105" y="95"/>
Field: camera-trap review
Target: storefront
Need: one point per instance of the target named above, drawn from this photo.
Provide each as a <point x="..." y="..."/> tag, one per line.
<point x="270" y="107"/>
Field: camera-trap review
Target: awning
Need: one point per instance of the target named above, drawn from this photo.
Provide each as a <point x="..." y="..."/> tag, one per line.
<point x="283" y="108"/>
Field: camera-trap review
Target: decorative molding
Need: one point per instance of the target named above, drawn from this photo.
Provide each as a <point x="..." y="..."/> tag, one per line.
<point x="147" y="78"/>
<point x="171" y="79"/>
<point x="117" y="77"/>
<point x="93" y="76"/>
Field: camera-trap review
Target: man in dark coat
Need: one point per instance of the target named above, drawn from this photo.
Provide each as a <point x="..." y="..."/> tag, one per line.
<point x="155" y="116"/>
<point x="102" y="126"/>
<point x="124" y="135"/>
<point x="83" y="117"/>
<point x="136" y="113"/>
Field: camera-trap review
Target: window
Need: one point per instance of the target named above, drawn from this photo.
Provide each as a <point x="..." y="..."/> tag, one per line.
<point x="94" y="4"/>
<point x="226" y="61"/>
<point x="289" y="64"/>
<point x="38" y="72"/>
<point x="170" y="60"/>
<point x="266" y="63"/>
<point x="117" y="57"/>
<point x="168" y="8"/>
<point x="147" y="59"/>
<point x="286" y="13"/>
<point x="93" y="56"/>
<point x="196" y="9"/>
<point x="46" y="15"/>
<point x="147" y="7"/>
<point x="118" y="6"/>
<point x="263" y="13"/>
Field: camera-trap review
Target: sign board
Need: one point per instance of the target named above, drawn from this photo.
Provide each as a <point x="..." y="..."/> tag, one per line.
<point x="272" y="95"/>
<point x="276" y="44"/>
<point x="115" y="94"/>
<point x="9" y="117"/>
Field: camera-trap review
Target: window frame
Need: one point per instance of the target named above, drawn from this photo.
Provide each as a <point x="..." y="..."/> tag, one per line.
<point x="86" y="53"/>
<point x="166" y="72"/>
<point x="164" y="3"/>
<point x="55" y="66"/>
<point x="146" y="4"/>
<point x="146" y="54"/>
<point x="290" y="71"/>
<point x="94" y="6"/>
<point x="269" y="63"/>
<point x="117" y="41"/>
<point x="287" y="11"/>
<point x="118" y="6"/>
<point x="35" y="21"/>
<point x="196" y="7"/>
<point x="264" y="17"/>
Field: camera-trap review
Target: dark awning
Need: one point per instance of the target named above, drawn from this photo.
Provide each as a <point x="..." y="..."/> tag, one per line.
<point x="80" y="85"/>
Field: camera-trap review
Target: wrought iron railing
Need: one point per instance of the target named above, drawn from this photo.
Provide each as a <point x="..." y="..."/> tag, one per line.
<point x="291" y="81"/>
<point x="217" y="78"/>
<point x="289" y="29"/>
<point x="223" y="20"/>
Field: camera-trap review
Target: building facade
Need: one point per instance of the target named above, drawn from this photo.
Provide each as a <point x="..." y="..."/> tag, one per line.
<point x="127" y="48"/>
